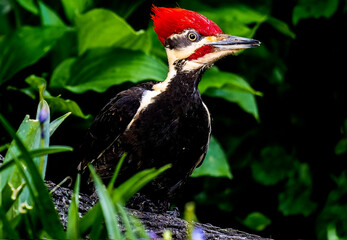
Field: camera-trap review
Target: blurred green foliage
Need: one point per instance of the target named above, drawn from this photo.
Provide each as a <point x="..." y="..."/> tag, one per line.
<point x="277" y="161"/>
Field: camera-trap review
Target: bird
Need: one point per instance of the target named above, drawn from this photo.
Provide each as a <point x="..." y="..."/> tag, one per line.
<point x="163" y="122"/>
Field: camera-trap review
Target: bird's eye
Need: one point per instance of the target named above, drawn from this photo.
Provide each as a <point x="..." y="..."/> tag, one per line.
<point x="192" y="36"/>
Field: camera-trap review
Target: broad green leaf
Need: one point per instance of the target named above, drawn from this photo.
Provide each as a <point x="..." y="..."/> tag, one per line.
<point x="234" y="94"/>
<point x="215" y="163"/>
<point x="29" y="134"/>
<point x="274" y="165"/>
<point x="296" y="198"/>
<point x="256" y="221"/>
<point x="107" y="207"/>
<point x="314" y="9"/>
<point x="24" y="47"/>
<point x="215" y="78"/>
<point x="99" y="69"/>
<point x="29" y="5"/>
<point x="66" y="105"/>
<point x="74" y="8"/>
<point x="241" y="20"/>
<point x="48" y="16"/>
<point x="235" y="19"/>
<point x="103" y="28"/>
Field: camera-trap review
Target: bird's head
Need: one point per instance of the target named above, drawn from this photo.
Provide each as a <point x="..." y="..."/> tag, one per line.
<point x="191" y="37"/>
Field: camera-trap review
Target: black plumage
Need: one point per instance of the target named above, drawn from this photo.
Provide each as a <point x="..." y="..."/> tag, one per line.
<point x="174" y="128"/>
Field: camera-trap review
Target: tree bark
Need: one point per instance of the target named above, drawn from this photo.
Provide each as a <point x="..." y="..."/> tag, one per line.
<point x="153" y="222"/>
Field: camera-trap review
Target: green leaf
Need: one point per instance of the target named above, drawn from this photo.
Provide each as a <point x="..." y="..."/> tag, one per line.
<point x="215" y="164"/>
<point x="38" y="191"/>
<point x="56" y="123"/>
<point x="24" y="47"/>
<point x="103" y="28"/>
<point x="74" y="8"/>
<point x="48" y="16"/>
<point x="99" y="69"/>
<point x="214" y="78"/>
<point x="66" y="105"/>
<point x="256" y="221"/>
<point x="245" y="100"/>
<point x="232" y="88"/>
<point x="341" y="147"/>
<point x="281" y="26"/>
<point x="7" y="228"/>
<point x="73" y="222"/>
<point x="235" y="19"/>
<point x="314" y="9"/>
<point x="107" y="207"/>
<point x="334" y="210"/>
<point x="29" y="5"/>
<point x="274" y="165"/>
<point x="44" y="151"/>
<point x="127" y="189"/>
<point x="296" y="198"/>
<point x="29" y="134"/>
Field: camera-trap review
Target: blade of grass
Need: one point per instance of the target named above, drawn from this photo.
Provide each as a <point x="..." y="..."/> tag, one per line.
<point x="6" y="165"/>
<point x="73" y="226"/>
<point x="141" y="231"/>
<point x="107" y="207"/>
<point x="56" y="123"/>
<point x="114" y="177"/>
<point x="126" y="190"/>
<point x="130" y="231"/>
<point x="44" y="151"/>
<point x="43" y="202"/>
<point x="6" y="227"/>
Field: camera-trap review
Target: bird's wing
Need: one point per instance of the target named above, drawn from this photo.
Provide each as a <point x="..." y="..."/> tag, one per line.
<point x="111" y="122"/>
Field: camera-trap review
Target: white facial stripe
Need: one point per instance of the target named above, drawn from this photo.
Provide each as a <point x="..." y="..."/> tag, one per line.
<point x="183" y="53"/>
<point x="209" y="58"/>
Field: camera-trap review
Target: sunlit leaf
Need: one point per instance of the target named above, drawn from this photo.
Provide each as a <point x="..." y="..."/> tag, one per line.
<point x="29" y="5"/>
<point x="48" y="16"/>
<point x="215" y="163"/>
<point x="99" y="69"/>
<point x="74" y="8"/>
<point x="66" y="105"/>
<point x="103" y="28"/>
<point x="24" y="47"/>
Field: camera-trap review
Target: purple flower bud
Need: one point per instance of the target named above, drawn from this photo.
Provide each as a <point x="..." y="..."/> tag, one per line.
<point x="44" y="113"/>
<point x="198" y="234"/>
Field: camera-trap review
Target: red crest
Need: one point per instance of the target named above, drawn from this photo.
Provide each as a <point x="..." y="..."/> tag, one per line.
<point x="168" y="21"/>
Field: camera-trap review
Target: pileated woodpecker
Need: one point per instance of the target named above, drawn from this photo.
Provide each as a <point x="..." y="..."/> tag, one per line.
<point x="157" y="123"/>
